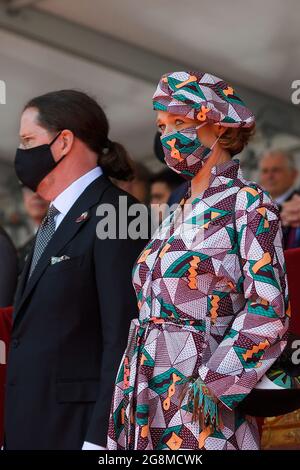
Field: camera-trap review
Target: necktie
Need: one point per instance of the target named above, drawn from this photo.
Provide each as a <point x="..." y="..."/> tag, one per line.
<point x="44" y="235"/>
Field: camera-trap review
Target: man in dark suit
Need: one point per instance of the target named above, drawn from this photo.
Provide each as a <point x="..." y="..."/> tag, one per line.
<point x="75" y="298"/>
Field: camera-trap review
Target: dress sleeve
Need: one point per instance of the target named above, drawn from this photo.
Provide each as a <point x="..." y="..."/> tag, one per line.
<point x="254" y="340"/>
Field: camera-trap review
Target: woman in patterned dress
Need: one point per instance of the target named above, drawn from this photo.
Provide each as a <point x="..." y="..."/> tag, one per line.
<point x="210" y="285"/>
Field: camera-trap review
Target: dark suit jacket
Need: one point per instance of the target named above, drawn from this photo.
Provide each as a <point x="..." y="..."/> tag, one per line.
<point x="23" y="252"/>
<point x="178" y="193"/>
<point x="8" y="270"/>
<point x="288" y="231"/>
<point x="70" y="329"/>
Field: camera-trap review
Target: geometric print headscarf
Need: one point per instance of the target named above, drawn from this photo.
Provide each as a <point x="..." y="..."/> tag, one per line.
<point x="203" y="97"/>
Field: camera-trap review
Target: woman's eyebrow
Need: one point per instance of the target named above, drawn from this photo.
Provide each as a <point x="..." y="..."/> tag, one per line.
<point x="174" y="118"/>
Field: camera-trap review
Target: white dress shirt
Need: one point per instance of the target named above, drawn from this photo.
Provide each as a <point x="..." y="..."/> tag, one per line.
<point x="65" y="200"/>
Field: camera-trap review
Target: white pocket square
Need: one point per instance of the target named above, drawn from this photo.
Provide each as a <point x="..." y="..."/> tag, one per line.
<point x="55" y="259"/>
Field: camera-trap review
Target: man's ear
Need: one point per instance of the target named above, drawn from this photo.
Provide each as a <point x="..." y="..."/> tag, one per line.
<point x="66" y="141"/>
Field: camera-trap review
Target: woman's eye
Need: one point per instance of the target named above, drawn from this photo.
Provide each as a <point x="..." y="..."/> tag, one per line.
<point x="161" y="128"/>
<point x="178" y="122"/>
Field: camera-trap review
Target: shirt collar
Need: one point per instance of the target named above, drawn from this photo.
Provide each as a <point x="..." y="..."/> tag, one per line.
<point x="283" y="197"/>
<point x="65" y="200"/>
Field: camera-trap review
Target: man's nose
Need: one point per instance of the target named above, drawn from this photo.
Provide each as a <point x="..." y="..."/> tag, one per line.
<point x="268" y="173"/>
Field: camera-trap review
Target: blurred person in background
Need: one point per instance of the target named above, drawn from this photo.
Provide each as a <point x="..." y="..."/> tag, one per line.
<point x="36" y="209"/>
<point x="278" y="176"/>
<point x="162" y="186"/>
<point x="139" y="184"/>
<point x="8" y="270"/>
<point x="290" y="213"/>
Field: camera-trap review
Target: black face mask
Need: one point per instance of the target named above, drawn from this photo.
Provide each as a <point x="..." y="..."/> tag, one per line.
<point x="33" y="164"/>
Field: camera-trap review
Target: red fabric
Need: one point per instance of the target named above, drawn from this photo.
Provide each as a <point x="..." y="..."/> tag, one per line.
<point x="5" y="330"/>
<point x="292" y="259"/>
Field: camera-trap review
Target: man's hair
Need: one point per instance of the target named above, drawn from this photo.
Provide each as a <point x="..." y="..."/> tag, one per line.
<point x="81" y="114"/>
<point x="169" y="177"/>
<point x="286" y="154"/>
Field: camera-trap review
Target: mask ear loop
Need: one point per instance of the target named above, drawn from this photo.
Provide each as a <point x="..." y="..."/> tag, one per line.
<point x="55" y="138"/>
<point x="217" y="139"/>
<point x="51" y="143"/>
<point x="201" y="125"/>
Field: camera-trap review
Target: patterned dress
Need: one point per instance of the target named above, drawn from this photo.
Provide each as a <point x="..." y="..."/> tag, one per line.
<point x="213" y="304"/>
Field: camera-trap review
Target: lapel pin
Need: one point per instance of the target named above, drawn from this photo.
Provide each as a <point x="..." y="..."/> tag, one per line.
<point x="82" y="217"/>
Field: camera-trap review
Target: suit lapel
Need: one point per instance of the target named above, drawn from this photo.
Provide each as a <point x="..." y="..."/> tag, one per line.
<point x="22" y="280"/>
<point x="68" y="228"/>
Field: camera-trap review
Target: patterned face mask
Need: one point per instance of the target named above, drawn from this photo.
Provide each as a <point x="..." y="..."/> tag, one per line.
<point x="184" y="152"/>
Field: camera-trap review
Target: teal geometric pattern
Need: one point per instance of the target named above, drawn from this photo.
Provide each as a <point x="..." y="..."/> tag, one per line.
<point x="213" y="305"/>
